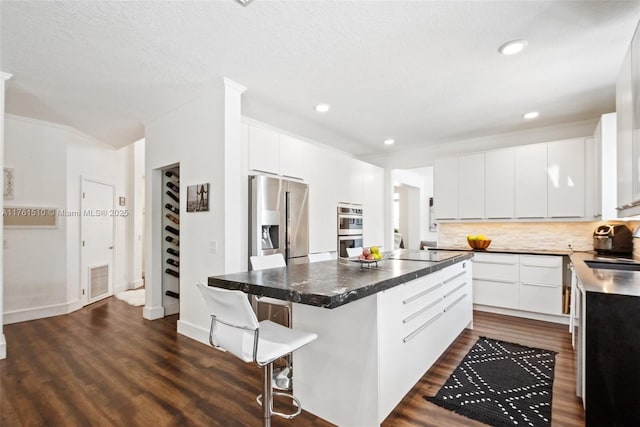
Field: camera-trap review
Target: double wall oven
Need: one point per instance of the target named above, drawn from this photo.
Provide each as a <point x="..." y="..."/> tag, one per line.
<point x="349" y="228"/>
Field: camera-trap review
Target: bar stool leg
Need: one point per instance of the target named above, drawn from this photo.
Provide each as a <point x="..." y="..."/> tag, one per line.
<point x="267" y="394"/>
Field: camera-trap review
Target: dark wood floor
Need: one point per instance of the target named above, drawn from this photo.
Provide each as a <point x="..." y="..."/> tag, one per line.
<point x="104" y="365"/>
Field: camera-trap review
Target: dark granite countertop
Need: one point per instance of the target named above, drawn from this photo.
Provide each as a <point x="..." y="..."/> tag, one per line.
<point x="604" y="280"/>
<point x="504" y="251"/>
<point x="333" y="283"/>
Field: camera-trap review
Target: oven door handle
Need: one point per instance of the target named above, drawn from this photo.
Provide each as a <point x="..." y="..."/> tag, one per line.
<point x="353" y="237"/>
<point x="349" y="216"/>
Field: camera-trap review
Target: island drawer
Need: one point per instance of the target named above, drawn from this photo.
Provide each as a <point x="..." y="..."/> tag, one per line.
<point x="496" y="267"/>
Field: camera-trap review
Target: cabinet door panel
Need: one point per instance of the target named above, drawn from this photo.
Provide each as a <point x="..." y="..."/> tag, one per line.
<point x="500" y="184"/>
<point x="471" y="186"/>
<point x="323" y="217"/>
<point x="373" y="206"/>
<point x="445" y="188"/>
<point x="294" y="157"/>
<point x="496" y="294"/>
<point x="264" y="149"/>
<point x="541" y="298"/>
<point x="531" y="181"/>
<point x="624" y="110"/>
<point x="566" y="178"/>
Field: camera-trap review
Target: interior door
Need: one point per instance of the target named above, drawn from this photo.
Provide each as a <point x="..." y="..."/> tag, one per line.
<point x="96" y="236"/>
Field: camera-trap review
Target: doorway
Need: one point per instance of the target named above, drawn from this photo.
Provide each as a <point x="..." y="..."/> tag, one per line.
<point x="96" y="234"/>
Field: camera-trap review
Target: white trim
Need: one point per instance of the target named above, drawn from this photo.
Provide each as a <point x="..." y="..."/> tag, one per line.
<point x="562" y="319"/>
<point x="3" y="347"/>
<point x="42" y="312"/>
<point x="136" y="284"/>
<point x="153" y="313"/>
<point x="237" y="86"/>
<point x="193" y="331"/>
<point x="5" y="76"/>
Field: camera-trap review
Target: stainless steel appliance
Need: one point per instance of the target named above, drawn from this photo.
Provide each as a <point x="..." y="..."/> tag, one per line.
<point x="349" y="228"/>
<point x="613" y="239"/>
<point x="279" y="220"/>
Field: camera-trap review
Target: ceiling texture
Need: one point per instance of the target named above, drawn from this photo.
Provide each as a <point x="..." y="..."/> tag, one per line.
<point x="421" y="72"/>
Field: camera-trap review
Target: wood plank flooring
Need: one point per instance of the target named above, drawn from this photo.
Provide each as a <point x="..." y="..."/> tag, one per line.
<point x="105" y="365"/>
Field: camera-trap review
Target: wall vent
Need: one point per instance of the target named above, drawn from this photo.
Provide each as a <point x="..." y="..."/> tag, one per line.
<point x="98" y="281"/>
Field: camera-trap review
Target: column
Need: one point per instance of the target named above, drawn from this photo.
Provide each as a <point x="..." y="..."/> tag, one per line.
<point x="3" y="77"/>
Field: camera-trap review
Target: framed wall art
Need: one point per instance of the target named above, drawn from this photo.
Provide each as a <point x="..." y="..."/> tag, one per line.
<point x="198" y="198"/>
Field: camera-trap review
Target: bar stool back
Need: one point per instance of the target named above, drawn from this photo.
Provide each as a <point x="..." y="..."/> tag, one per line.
<point x="235" y="328"/>
<point x="320" y="256"/>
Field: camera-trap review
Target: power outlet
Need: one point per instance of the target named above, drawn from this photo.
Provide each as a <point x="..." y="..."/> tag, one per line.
<point x="570" y="244"/>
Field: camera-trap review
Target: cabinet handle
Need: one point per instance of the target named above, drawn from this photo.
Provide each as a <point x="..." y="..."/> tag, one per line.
<point x="456" y="289"/>
<point x="450" y="306"/>
<point x="423" y="293"/>
<point x="496" y="262"/>
<point x="421" y="328"/>
<point x="541" y="285"/>
<point x="455" y="277"/>
<point x="495" y="280"/>
<point x="422" y="310"/>
<point x="542" y="266"/>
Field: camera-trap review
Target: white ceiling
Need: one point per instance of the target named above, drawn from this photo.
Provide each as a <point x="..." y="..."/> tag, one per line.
<point x="422" y="72"/>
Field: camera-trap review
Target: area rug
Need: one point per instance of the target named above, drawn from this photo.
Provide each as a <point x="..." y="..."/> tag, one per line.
<point x="501" y="384"/>
<point x="132" y="297"/>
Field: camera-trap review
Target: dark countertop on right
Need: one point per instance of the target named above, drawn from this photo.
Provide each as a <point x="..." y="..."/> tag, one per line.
<point x="604" y="280"/>
<point x="491" y="250"/>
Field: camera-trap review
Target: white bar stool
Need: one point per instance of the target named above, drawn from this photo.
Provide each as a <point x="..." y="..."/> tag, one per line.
<point x="351" y="252"/>
<point x="235" y="328"/>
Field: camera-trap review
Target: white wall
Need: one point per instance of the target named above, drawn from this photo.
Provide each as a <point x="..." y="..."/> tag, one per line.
<point x="135" y="205"/>
<point x="42" y="266"/>
<point x="193" y="137"/>
<point x="3" y="343"/>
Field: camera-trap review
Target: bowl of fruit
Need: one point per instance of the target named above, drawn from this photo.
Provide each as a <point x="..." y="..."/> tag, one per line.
<point x="478" y="241"/>
<point x="370" y="256"/>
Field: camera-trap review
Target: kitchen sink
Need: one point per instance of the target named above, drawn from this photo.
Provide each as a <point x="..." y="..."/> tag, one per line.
<point x="614" y="264"/>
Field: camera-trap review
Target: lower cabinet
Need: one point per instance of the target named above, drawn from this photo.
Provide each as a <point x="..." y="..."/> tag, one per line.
<point x="522" y="282"/>
<point x="417" y="322"/>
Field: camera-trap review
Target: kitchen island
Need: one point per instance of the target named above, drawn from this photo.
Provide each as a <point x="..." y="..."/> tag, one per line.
<point x="379" y="328"/>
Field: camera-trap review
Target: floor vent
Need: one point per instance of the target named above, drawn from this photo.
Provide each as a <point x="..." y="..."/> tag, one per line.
<point x="98" y="281"/>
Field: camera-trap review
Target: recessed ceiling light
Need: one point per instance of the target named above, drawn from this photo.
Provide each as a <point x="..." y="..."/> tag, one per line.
<point x="512" y="47"/>
<point x="388" y="142"/>
<point x="322" y="108"/>
<point x="531" y="115"/>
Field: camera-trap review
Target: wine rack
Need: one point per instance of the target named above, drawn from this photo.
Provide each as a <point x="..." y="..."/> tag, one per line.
<point x="171" y="240"/>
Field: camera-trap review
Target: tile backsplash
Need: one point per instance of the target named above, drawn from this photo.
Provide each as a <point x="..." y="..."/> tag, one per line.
<point x="525" y="235"/>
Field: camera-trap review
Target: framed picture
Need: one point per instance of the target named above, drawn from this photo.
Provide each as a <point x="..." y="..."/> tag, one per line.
<point x="432" y="225"/>
<point x="198" y="198"/>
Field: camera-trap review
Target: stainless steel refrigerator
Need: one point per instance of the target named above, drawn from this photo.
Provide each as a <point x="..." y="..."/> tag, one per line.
<point x="279" y="218"/>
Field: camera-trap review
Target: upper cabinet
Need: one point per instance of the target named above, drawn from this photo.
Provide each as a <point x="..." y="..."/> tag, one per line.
<point x="500" y="183"/>
<point x="264" y="149"/>
<point x="624" y="110"/>
<point x="445" y="188"/>
<point x="294" y="158"/>
<point x="531" y="181"/>
<point x="566" y="179"/>
<point x="349" y="183"/>
<point x="373" y="205"/>
<point x="535" y="181"/>
<point x="471" y="186"/>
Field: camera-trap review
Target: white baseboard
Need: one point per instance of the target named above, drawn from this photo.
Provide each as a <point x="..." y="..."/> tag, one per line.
<point x="3" y="347"/>
<point x="526" y="314"/>
<point x="34" y="313"/>
<point x="136" y="284"/>
<point x="153" y="313"/>
<point x="193" y="331"/>
<point x="121" y="287"/>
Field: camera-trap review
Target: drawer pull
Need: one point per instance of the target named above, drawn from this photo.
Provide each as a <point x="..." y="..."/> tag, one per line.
<point x="496" y="280"/>
<point x="450" y="306"/>
<point x="422" y="310"/>
<point x="541" y="285"/>
<point x="455" y="277"/>
<point x="423" y="293"/>
<point x="496" y="262"/>
<point x="456" y="289"/>
<point x="421" y="328"/>
<point x="539" y="266"/>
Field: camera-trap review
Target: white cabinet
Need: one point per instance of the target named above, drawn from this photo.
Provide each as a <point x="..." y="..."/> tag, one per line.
<point x="264" y="149"/>
<point x="624" y="110"/>
<point x="294" y="157"/>
<point x="541" y="284"/>
<point x="531" y="181"/>
<point x="522" y="282"/>
<point x="500" y="183"/>
<point x="471" y="188"/>
<point x="349" y="182"/>
<point x="323" y="219"/>
<point x="495" y="280"/>
<point x="566" y="179"/>
<point x="373" y="205"/>
<point x="445" y="188"/>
